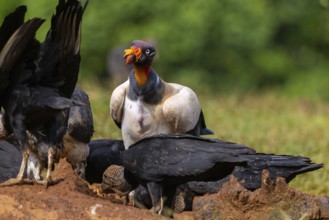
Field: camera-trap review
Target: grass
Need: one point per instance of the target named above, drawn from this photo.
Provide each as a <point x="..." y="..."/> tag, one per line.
<point x="268" y="122"/>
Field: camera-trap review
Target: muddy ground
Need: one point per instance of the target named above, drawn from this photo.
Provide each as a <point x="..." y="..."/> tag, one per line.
<point x="73" y="199"/>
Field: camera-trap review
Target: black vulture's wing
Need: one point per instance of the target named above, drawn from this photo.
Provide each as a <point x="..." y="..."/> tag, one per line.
<point x="164" y="156"/>
<point x="16" y="37"/>
<point x="59" y="58"/>
<point x="80" y="125"/>
<point x="11" y="23"/>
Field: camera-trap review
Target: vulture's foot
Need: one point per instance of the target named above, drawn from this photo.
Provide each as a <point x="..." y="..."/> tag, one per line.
<point x="48" y="182"/>
<point x="16" y="181"/>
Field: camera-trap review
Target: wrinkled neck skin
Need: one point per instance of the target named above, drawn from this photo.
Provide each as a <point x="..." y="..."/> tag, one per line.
<point x="141" y="74"/>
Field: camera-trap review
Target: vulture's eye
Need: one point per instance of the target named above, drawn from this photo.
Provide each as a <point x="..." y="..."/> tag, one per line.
<point x="147" y="51"/>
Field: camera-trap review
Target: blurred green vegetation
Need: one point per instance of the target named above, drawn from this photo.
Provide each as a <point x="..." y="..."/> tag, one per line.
<point x="224" y="46"/>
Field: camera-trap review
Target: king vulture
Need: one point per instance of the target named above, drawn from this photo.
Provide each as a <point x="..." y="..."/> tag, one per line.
<point x="145" y="105"/>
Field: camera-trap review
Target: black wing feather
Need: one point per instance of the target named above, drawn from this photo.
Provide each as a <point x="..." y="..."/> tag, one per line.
<point x="284" y="166"/>
<point x="11" y="23"/>
<point x="59" y="60"/>
<point x="175" y="159"/>
<point x="80" y="125"/>
<point x="158" y="157"/>
<point x="12" y="51"/>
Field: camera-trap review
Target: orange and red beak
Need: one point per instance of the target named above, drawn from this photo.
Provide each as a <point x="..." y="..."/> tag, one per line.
<point x="132" y="55"/>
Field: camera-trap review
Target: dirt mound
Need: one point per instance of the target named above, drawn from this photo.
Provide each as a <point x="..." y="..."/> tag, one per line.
<point x="69" y="199"/>
<point x="73" y="199"/>
<point x="233" y="201"/>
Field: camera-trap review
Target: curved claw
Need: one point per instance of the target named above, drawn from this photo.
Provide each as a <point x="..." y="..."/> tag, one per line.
<point x="49" y="182"/>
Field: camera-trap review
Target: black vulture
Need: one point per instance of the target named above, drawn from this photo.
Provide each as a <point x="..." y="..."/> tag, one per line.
<point x="37" y="81"/>
<point x="75" y="141"/>
<point x="145" y="105"/>
<point x="105" y="156"/>
<point x="80" y="129"/>
<point x="75" y="145"/>
<point x="102" y="154"/>
<point x="168" y="161"/>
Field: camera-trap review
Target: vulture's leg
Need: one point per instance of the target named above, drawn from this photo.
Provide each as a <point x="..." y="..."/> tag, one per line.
<point x="155" y="190"/>
<point x="19" y="178"/>
<point x="47" y="181"/>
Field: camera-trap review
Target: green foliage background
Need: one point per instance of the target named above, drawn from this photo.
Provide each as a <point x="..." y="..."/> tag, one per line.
<point x="227" y="45"/>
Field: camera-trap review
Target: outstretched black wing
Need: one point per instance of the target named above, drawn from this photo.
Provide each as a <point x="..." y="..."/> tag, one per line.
<point x="16" y="37"/>
<point x="11" y="23"/>
<point x="59" y="58"/>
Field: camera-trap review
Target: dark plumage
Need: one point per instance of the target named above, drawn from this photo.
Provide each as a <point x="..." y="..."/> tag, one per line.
<point x="178" y="198"/>
<point x="80" y="124"/>
<point x="170" y="160"/>
<point x="102" y="154"/>
<point x="75" y="148"/>
<point x="39" y="79"/>
<point x="10" y="159"/>
<point x="75" y="141"/>
<point x="80" y="129"/>
<point x="105" y="157"/>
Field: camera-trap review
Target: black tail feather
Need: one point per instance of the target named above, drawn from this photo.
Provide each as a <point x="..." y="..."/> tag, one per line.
<point x="204" y="129"/>
<point x="288" y="167"/>
<point x="302" y="170"/>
